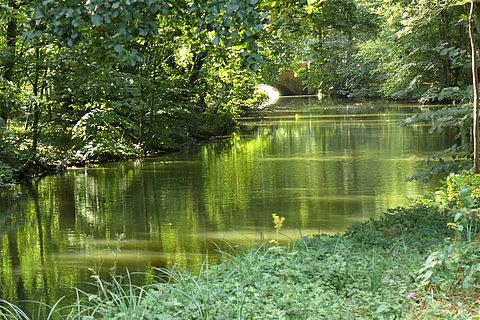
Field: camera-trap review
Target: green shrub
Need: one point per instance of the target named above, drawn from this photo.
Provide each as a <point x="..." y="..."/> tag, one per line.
<point x="452" y="267"/>
<point x="419" y="227"/>
<point x="7" y="176"/>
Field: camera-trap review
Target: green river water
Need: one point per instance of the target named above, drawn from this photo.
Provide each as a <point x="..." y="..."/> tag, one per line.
<point x="321" y="165"/>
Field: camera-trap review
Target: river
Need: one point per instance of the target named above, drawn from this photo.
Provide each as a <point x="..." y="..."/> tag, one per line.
<point x="322" y="165"/>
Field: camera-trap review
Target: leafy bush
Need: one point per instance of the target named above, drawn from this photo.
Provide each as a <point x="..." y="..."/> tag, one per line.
<point x="453" y="267"/>
<point x="7" y="176"/>
<point x="459" y="190"/>
<point x="229" y="95"/>
<point x="456" y="158"/>
<point x="12" y="165"/>
<point x="421" y="227"/>
<point x="104" y="149"/>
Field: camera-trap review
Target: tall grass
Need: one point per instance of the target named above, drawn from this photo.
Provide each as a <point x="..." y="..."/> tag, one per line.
<point x="40" y="311"/>
<point x="118" y="298"/>
<point x="11" y="311"/>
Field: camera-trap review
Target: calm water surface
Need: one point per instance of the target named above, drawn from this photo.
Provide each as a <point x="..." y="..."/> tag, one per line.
<point x="322" y="165"/>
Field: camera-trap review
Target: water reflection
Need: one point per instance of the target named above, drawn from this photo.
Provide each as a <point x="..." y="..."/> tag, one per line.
<point x="322" y="165"/>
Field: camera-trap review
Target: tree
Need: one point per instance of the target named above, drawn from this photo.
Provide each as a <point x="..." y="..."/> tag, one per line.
<point x="474" y="71"/>
<point x="102" y="80"/>
<point x="319" y="40"/>
<point x="475" y="133"/>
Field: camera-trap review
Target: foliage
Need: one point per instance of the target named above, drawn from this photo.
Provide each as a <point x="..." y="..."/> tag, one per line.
<point x="461" y="196"/>
<point x="166" y="73"/>
<point x="9" y="311"/>
<point x="9" y="97"/>
<point x="116" y="79"/>
<point x="7" y="177"/>
<point x="456" y="265"/>
<point x="451" y="268"/>
<point x="318" y="42"/>
<point x="421" y="51"/>
<point x="415" y="50"/>
<point x="456" y="158"/>
<point x="10" y="160"/>
<point x="407" y="227"/>
<point x="459" y="191"/>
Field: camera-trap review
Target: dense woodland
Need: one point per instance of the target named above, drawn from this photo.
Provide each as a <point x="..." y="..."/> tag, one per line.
<point x="106" y="80"/>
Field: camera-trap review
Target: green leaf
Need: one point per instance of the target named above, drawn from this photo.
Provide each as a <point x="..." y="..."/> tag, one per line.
<point x="96" y="20"/>
<point x="459" y="2"/>
<point x="118" y="48"/>
<point x="258" y="27"/>
<point x="382" y="309"/>
<point x="465" y="192"/>
<point x="107" y="19"/>
<point x="234" y="7"/>
<point x="38" y="15"/>
<point x="122" y="29"/>
<point x="155" y="8"/>
<point x="458" y="215"/>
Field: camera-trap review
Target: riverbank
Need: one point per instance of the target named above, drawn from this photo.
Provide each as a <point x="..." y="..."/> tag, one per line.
<point x="53" y="155"/>
<point x="417" y="262"/>
<point x="96" y="138"/>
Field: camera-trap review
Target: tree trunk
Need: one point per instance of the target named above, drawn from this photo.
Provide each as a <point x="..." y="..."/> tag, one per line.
<point x="445" y="35"/>
<point x="9" y="62"/>
<point x="36" y="107"/>
<point x="196" y="68"/>
<point x="475" y="135"/>
<point x="11" y="41"/>
<point x="150" y="135"/>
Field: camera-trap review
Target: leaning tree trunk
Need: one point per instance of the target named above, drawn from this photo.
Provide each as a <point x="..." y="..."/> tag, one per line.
<point x="475" y="133"/>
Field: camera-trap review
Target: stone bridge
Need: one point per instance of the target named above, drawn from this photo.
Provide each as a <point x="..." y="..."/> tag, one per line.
<point x="289" y="85"/>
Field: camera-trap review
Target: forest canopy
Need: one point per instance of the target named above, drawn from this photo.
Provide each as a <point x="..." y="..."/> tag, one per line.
<point x="84" y="81"/>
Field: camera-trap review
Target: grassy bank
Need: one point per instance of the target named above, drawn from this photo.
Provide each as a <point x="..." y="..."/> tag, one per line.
<point x="421" y="262"/>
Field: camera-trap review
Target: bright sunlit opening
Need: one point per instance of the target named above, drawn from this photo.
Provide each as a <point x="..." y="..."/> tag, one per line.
<point x="271" y="92"/>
